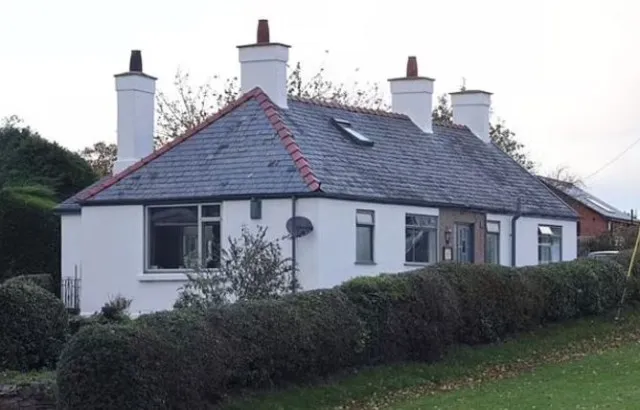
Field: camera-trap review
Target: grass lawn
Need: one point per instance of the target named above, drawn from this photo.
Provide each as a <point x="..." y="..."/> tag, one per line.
<point x="606" y="380"/>
<point x="469" y="371"/>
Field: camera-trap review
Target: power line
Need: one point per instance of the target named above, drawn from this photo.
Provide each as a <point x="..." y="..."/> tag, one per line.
<point x="617" y="157"/>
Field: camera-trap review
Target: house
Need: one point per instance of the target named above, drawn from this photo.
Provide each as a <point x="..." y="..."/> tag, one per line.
<point x="596" y="217"/>
<point x="362" y="191"/>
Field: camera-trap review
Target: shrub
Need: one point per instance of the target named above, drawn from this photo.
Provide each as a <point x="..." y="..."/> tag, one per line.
<point x="494" y="300"/>
<point x="33" y="327"/>
<point x="44" y="280"/>
<point x="115" y="367"/>
<point x="291" y="339"/>
<point x="407" y="316"/>
<point x="116" y="309"/>
<point x="197" y="349"/>
<point x="77" y="322"/>
<point x="578" y="288"/>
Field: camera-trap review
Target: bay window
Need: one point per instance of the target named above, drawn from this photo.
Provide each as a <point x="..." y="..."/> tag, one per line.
<point x="183" y="237"/>
<point x="421" y="232"/>
<point x="549" y="244"/>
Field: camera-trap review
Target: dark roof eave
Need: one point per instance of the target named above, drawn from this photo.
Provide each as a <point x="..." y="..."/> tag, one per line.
<point x="346" y="197"/>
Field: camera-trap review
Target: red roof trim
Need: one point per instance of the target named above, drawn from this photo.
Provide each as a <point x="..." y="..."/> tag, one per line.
<point x="274" y="118"/>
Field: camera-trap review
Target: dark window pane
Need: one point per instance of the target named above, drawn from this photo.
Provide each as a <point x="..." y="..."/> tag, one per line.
<point x="173" y="237"/>
<point x="364" y="243"/>
<point x="211" y="211"/>
<point x="211" y="244"/>
<point x="420" y="245"/>
<point x="493" y="246"/>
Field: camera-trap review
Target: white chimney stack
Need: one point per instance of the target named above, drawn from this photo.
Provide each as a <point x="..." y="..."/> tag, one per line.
<point x="264" y="65"/>
<point x="136" y="99"/>
<point x="412" y="96"/>
<point x="473" y="108"/>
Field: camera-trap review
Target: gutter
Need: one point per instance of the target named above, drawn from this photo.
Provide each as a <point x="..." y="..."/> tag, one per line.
<point x="294" y="262"/>
<point x="514" y="221"/>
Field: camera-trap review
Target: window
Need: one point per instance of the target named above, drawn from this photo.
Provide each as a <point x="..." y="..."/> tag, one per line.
<point x="549" y="244"/>
<point x="183" y="237"/>
<point x="364" y="236"/>
<point x="345" y="127"/>
<point x="421" y="233"/>
<point x="492" y="244"/>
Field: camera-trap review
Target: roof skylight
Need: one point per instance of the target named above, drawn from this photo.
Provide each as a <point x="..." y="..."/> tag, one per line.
<point x="357" y="137"/>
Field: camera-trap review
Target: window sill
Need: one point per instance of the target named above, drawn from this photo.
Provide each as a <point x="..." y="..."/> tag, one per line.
<point x="365" y="263"/>
<point x="163" y="277"/>
<point x="418" y="264"/>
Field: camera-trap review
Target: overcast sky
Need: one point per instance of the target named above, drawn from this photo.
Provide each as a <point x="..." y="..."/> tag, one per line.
<point x="564" y="73"/>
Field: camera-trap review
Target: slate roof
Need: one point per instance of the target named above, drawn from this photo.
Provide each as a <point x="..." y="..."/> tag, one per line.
<point x="255" y="148"/>
<point x="585" y="198"/>
<point x="71" y="205"/>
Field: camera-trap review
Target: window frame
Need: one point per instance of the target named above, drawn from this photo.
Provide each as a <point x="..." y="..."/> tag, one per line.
<point x="200" y="220"/>
<point x="554" y="229"/>
<point x="426" y="228"/>
<point x="371" y="226"/>
<point x="486" y="241"/>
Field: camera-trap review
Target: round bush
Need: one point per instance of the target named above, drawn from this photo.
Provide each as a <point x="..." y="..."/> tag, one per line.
<point x="44" y="280"/>
<point x="33" y="327"/>
<point x="109" y="367"/>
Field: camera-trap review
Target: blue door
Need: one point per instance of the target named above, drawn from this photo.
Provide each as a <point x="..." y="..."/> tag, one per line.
<point x="464" y="243"/>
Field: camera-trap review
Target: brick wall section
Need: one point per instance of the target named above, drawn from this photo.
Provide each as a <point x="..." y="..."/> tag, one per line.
<point x="591" y="222"/>
<point x="448" y="219"/>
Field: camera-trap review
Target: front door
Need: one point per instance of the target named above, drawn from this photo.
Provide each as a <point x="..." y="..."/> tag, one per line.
<point x="464" y="243"/>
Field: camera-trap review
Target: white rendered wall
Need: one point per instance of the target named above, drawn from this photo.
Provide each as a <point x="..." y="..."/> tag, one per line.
<point x="337" y="240"/>
<point x="527" y="239"/>
<point x="71" y="244"/>
<point x="505" y="236"/>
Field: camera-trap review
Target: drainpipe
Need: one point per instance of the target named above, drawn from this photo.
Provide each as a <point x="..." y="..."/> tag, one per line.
<point x="514" y="220"/>
<point x="294" y="199"/>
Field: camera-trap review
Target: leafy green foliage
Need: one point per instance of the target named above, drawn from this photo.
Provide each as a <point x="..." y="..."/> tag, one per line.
<point x="251" y="268"/>
<point x="29" y="235"/>
<point x="411" y="316"/>
<point x="34" y="327"/>
<point x="28" y="159"/>
<point x="385" y="319"/>
<point x="117" y="367"/>
<point x="44" y="280"/>
<point x="116" y="309"/>
<point x="292" y="339"/>
<point x="100" y="157"/>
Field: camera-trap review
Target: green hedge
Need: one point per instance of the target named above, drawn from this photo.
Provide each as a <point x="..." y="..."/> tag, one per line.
<point x="44" y="280"/>
<point x="383" y="319"/>
<point x="33" y="327"/>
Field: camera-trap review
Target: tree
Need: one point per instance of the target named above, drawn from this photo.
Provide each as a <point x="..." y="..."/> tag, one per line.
<point x="28" y="159"/>
<point x="251" y="268"/>
<point x="502" y="136"/>
<point x="101" y="157"/>
<point x="563" y="177"/>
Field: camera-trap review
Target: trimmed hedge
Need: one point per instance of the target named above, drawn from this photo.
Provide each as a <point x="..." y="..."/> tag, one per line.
<point x="116" y="367"/>
<point x="383" y="319"/>
<point x="33" y="327"/>
<point x="44" y="280"/>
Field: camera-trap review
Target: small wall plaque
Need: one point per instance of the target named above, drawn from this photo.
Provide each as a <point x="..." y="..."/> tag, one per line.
<point x="447" y="253"/>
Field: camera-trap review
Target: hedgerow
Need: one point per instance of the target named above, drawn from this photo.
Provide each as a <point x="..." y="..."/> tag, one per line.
<point x="389" y="318"/>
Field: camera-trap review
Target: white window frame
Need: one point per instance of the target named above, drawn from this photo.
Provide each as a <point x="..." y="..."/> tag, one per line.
<point x="372" y="228"/>
<point x="201" y="219"/>
<point x="543" y="230"/>
<point x="492" y="232"/>
<point x="425" y="228"/>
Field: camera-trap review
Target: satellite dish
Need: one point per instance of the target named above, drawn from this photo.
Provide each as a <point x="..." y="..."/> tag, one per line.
<point x="299" y="226"/>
